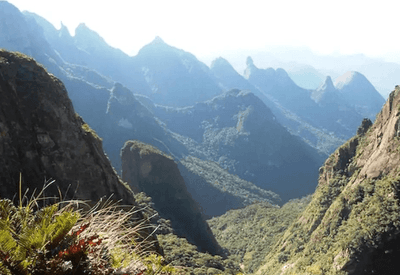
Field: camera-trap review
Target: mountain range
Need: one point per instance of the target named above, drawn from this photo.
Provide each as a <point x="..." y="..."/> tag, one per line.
<point x="224" y="141"/>
<point x="51" y="159"/>
<point x="308" y="69"/>
<point x="161" y="75"/>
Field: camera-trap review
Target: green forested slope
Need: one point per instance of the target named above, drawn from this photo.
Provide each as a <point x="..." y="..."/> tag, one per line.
<point x="248" y="233"/>
<point x="352" y="222"/>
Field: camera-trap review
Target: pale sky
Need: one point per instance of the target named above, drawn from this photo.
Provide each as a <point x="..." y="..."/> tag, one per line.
<point x="212" y="27"/>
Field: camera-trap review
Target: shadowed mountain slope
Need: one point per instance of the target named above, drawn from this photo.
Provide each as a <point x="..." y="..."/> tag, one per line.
<point x="42" y="137"/>
<point x="146" y="169"/>
<point x="314" y="135"/>
<point x="218" y="191"/>
<point x="240" y="133"/>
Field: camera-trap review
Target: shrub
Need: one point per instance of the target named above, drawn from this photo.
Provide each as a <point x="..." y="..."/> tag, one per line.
<point x="63" y="238"/>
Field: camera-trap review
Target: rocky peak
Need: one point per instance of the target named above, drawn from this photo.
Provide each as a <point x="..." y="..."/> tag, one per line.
<point x="174" y="77"/>
<point x="365" y="125"/>
<point x="42" y="138"/>
<point x="157" y="41"/>
<point x="250" y="67"/>
<point x="156" y="47"/>
<point x="87" y="38"/>
<point x="249" y="61"/>
<point x="359" y="93"/>
<point x="13" y="29"/>
<point x="8" y="9"/>
<point x="64" y="32"/>
<point x="220" y="63"/>
<point x="122" y="94"/>
<point x="326" y="93"/>
<point x="227" y="75"/>
<point x="351" y="225"/>
<point x="348" y="78"/>
<point x="149" y="170"/>
<point x="327" y="85"/>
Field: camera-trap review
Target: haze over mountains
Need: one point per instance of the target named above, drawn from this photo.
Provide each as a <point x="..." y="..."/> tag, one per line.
<point x="236" y="129"/>
<point x="309" y="69"/>
<point x="202" y="141"/>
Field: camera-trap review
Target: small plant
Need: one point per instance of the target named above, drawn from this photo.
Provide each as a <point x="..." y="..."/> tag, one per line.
<point x="62" y="238"/>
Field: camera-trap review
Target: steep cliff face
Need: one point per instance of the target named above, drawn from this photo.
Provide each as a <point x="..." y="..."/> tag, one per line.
<point x="42" y="138"/>
<point x="352" y="224"/>
<point x="148" y="170"/>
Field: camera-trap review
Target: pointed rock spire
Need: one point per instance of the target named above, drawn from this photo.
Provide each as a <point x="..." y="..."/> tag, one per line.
<point x="327" y="85"/>
<point x="249" y="61"/>
<point x="328" y="82"/>
<point x="250" y="67"/>
<point x="64" y="32"/>
<point x="220" y="62"/>
<point x="158" y="40"/>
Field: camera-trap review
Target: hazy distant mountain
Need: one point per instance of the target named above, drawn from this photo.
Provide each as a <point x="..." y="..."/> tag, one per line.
<point x="278" y="85"/>
<point x="228" y="78"/>
<point x="323" y="117"/>
<point x="296" y="110"/>
<point x="17" y="34"/>
<point x="326" y="92"/>
<point x="170" y="76"/>
<point x="359" y="93"/>
<point x="335" y="107"/>
<point x="88" y="50"/>
<point x="174" y="77"/>
<point x="304" y="76"/>
<point x="300" y="60"/>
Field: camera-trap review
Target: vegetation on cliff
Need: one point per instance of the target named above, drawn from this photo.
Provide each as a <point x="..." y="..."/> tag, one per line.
<point x="220" y="179"/>
<point x="42" y="136"/>
<point x="249" y="233"/>
<point x="68" y="237"/>
<point x="148" y="170"/>
<point x="352" y="222"/>
<point x="179" y="252"/>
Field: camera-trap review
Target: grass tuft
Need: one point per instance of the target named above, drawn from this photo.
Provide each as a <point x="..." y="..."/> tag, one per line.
<point x="69" y="237"/>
